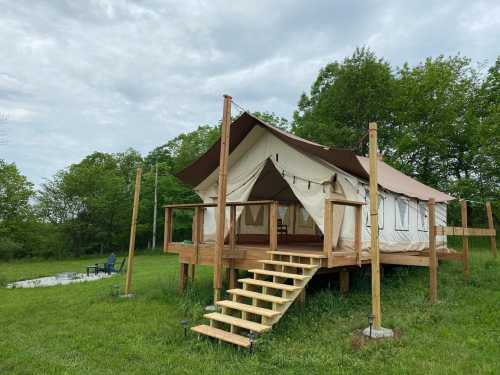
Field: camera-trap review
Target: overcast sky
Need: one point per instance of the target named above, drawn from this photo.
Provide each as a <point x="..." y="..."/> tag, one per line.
<point x="79" y="76"/>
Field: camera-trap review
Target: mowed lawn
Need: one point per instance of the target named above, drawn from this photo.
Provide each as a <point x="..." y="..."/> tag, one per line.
<point x="82" y="328"/>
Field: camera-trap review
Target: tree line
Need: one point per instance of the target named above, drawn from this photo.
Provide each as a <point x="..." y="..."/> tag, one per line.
<point x="438" y="122"/>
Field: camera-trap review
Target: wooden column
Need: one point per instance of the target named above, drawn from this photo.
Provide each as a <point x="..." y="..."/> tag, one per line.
<point x="327" y="232"/>
<point x="231" y="272"/>
<point x="491" y="225"/>
<point x="374" y="250"/>
<point x="433" y="262"/>
<point x="221" y="197"/>
<point x="344" y="281"/>
<point x="273" y="226"/>
<point x="357" y="232"/>
<point x="197" y="233"/>
<point x="232" y="277"/>
<point x="465" y="238"/>
<point x="133" y="227"/>
<point x="167" y="234"/>
<point x="183" y="276"/>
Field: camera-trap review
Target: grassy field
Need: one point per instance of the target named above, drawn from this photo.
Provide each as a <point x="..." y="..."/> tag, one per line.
<point x="82" y="328"/>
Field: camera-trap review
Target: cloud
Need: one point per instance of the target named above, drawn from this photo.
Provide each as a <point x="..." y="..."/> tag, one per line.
<point x="79" y="76"/>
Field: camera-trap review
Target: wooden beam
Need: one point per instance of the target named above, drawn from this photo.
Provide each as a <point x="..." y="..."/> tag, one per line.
<point x="461" y="231"/>
<point x="328" y="234"/>
<point x="133" y="228"/>
<point x="491" y="225"/>
<point x="405" y="260"/>
<point x="465" y="239"/>
<point x="347" y="202"/>
<point x="357" y="232"/>
<point x="191" y="272"/>
<point x="221" y="196"/>
<point x="344" y="281"/>
<point x="433" y="263"/>
<point x="196" y="233"/>
<point x="183" y="276"/>
<point x="167" y="232"/>
<point x="273" y="226"/>
<point x="374" y="250"/>
<point x="193" y="205"/>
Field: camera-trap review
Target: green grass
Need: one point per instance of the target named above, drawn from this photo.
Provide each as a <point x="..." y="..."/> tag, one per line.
<point x="82" y="328"/>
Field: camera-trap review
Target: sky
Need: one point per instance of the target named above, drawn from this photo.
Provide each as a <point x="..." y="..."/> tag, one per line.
<point x="101" y="75"/>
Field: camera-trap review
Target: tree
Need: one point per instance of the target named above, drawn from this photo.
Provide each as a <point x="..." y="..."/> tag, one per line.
<point x="344" y="98"/>
<point x="273" y="119"/>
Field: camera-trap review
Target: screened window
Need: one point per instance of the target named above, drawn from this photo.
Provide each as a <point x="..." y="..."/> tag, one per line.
<point x="402" y="214"/>
<point x="422" y="219"/>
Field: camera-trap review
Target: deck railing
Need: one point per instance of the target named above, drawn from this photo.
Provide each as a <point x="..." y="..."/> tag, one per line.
<point x="198" y="222"/>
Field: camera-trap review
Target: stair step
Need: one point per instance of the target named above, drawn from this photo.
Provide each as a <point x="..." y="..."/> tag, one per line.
<point x="259" y="296"/>
<point x="280" y="274"/>
<point x="270" y="284"/>
<point x="289" y="264"/>
<point x="302" y="255"/>
<point x="248" y="308"/>
<point x="220" y="334"/>
<point x="251" y="326"/>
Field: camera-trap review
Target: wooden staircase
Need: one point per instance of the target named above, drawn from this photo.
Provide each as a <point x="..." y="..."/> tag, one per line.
<point x="263" y="299"/>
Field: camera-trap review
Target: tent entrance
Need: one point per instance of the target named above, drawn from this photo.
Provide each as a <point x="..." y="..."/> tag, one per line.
<point x="295" y="224"/>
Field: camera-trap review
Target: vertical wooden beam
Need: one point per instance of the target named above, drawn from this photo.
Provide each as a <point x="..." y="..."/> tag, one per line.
<point x="374" y="250"/>
<point x="191" y="272"/>
<point x="357" y="232"/>
<point x="465" y="238"/>
<point x="301" y="298"/>
<point x="273" y="226"/>
<point x="183" y="276"/>
<point x="232" y="277"/>
<point x="133" y="228"/>
<point x="327" y="232"/>
<point x="232" y="228"/>
<point x="491" y="225"/>
<point x="221" y="197"/>
<point x="167" y="234"/>
<point x="344" y="281"/>
<point x="433" y="262"/>
<point x="196" y="233"/>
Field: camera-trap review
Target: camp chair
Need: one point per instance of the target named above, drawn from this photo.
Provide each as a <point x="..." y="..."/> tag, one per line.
<point x="106" y="267"/>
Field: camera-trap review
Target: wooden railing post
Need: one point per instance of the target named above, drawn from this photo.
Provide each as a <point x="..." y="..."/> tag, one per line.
<point x="273" y="226"/>
<point x="167" y="234"/>
<point x="433" y="263"/>
<point x="491" y="225"/>
<point x="465" y="238"/>
<point x="357" y="232"/>
<point x="327" y="232"/>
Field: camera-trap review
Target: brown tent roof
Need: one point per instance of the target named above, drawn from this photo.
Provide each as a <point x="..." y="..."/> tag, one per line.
<point x="344" y="159"/>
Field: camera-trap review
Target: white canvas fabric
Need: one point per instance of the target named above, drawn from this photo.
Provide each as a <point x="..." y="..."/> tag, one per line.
<point x="402" y="218"/>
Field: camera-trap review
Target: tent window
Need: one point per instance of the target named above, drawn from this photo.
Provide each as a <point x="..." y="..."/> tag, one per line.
<point x="422" y="218"/>
<point x="381" y="206"/>
<point x="304" y="219"/>
<point x="402" y="214"/>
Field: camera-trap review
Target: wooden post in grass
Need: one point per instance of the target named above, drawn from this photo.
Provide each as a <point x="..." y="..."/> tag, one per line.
<point x="433" y="262"/>
<point x="375" y="256"/>
<point x="133" y="227"/>
<point x="220" y="222"/>
<point x="465" y="238"/>
<point x="493" y="239"/>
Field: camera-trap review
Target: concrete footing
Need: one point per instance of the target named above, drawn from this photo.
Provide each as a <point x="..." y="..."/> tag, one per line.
<point x="130" y="295"/>
<point x="378" y="333"/>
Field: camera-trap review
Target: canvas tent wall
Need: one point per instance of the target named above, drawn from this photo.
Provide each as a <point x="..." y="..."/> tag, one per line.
<point x="314" y="173"/>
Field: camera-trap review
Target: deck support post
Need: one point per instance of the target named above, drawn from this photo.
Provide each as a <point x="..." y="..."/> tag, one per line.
<point x="191" y="272"/>
<point x="491" y="225"/>
<point x="232" y="277"/>
<point x="167" y="234"/>
<point x="328" y="234"/>
<point x="301" y="298"/>
<point x="433" y="262"/>
<point x="344" y="281"/>
<point x="183" y="276"/>
<point x="357" y="232"/>
<point x="375" y="256"/>
<point x="221" y="197"/>
<point x="465" y="238"/>
<point x="133" y="228"/>
<point x="273" y="226"/>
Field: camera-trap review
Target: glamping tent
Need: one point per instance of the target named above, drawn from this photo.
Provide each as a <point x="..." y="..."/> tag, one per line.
<point x="266" y="163"/>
